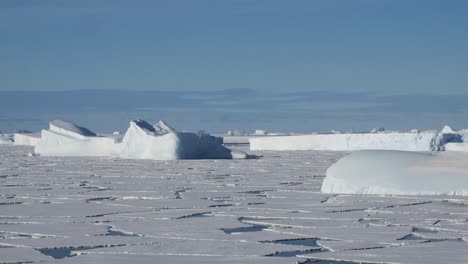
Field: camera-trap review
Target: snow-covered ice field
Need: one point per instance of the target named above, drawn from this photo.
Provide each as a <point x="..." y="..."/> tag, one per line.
<point x="266" y="210"/>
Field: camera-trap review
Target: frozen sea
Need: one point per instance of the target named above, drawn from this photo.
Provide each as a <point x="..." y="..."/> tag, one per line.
<point x="266" y="210"/>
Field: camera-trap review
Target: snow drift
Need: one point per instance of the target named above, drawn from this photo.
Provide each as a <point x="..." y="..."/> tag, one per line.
<point x="397" y="172"/>
<point x="26" y="139"/>
<point x="67" y="139"/>
<point x="423" y="141"/>
<point x="161" y="142"/>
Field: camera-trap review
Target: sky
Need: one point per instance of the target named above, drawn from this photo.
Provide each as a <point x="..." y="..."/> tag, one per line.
<point x="356" y="50"/>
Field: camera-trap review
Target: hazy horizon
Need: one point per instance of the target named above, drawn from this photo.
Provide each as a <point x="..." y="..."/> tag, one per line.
<point x="243" y="109"/>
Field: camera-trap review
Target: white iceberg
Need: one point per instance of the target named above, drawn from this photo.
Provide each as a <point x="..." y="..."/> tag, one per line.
<point x="447" y="130"/>
<point x="377" y="139"/>
<point x="457" y="147"/>
<point x="425" y="141"/>
<point x="26" y="139"/>
<point x="398" y="172"/>
<point x="6" y="139"/>
<point x="141" y="141"/>
<point x="67" y="139"/>
<point x="161" y="142"/>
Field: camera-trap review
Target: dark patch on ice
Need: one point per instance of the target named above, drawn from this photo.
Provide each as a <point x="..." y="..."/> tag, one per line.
<point x="294" y="253"/>
<point x="307" y="242"/>
<point x="290" y="183"/>
<point x="203" y="214"/>
<point x="4" y="176"/>
<point x="377" y="208"/>
<point x="86" y="185"/>
<point x="328" y="198"/>
<point x="179" y="193"/>
<point x="405" y="205"/>
<point x="10" y="203"/>
<point x="367" y="221"/>
<point x="255" y="228"/>
<point x="258" y="203"/>
<point x="98" y="199"/>
<point x="258" y="192"/>
<point x="220" y="205"/>
<point x="64" y="252"/>
<point x="349" y="210"/>
<point x="312" y="261"/>
<point x="112" y="232"/>
<point x="411" y="237"/>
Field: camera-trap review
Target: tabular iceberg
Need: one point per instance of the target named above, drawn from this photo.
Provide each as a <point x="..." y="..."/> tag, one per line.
<point x="398" y="172"/>
<point x="67" y="139"/>
<point x="421" y="141"/>
<point x="26" y="139"/>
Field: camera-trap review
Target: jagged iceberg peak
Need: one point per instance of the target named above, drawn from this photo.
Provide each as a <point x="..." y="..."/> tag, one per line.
<point x="143" y="125"/>
<point x="67" y="126"/>
<point x="163" y="128"/>
<point x="447" y="130"/>
<point x="160" y="128"/>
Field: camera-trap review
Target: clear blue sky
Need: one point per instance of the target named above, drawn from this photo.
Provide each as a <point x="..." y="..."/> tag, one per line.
<point x="291" y="65"/>
<point x="376" y="46"/>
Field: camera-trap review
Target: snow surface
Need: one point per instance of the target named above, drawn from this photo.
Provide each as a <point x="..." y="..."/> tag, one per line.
<point x="268" y="210"/>
<point x="423" y="141"/>
<point x="397" y="172"/>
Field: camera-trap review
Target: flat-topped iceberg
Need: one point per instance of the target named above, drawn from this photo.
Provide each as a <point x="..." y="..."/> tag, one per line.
<point x="409" y="141"/>
<point x="161" y="142"/>
<point x="457" y="147"/>
<point x="398" y="172"/>
<point x="67" y="139"/>
<point x="26" y="139"/>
